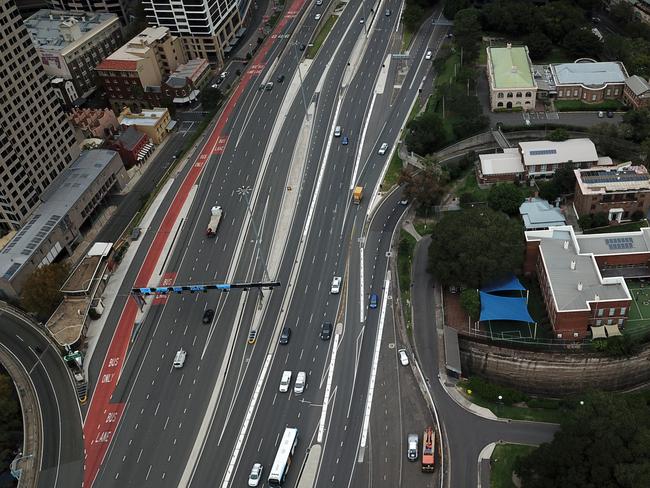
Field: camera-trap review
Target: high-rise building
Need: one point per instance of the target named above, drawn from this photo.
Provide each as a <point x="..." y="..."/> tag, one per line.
<point x="37" y="141"/>
<point x="208" y="28"/>
<point x="118" y="7"/>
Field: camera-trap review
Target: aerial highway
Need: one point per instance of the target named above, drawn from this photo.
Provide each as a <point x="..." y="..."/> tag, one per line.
<point x="205" y="424"/>
<point x="61" y="462"/>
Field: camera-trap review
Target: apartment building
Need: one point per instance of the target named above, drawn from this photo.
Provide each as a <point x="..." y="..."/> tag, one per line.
<point x="72" y="44"/>
<point x="37" y="142"/>
<point x="117" y="7"/>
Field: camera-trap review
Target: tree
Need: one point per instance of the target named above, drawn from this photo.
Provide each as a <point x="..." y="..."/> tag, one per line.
<point x="562" y="183"/>
<point x="463" y="110"/>
<point x="210" y="98"/>
<point x="453" y="6"/>
<point x="582" y="43"/>
<point x="603" y="442"/>
<point x="473" y="247"/>
<point x="412" y="17"/>
<point x="505" y="197"/>
<point x="426" y="133"/>
<point x="599" y="219"/>
<point x="507" y="16"/>
<point x="559" y="18"/>
<point x="539" y="45"/>
<point x="41" y="293"/>
<point x="558" y="135"/>
<point x="424" y="188"/>
<point x="11" y="425"/>
<point x="645" y="152"/>
<point x="467" y="32"/>
<point x="639" y="124"/>
<point x="471" y="303"/>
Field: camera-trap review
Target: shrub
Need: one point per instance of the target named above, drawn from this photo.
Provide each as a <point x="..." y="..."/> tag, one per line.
<point x="490" y="392"/>
<point x="637" y="215"/>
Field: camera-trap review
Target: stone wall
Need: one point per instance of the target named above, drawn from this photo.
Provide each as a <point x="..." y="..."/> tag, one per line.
<point x="551" y="373"/>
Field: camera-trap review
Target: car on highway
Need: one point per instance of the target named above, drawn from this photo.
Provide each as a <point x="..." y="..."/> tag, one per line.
<point x="302" y="47"/>
<point x="336" y="285"/>
<point x="404" y="202"/>
<point x="449" y="35"/>
<point x="387" y="12"/>
<point x="207" y="316"/>
<point x="285" y="335"/>
<point x="301" y="382"/>
<point x="610" y="114"/>
<point x="337" y="131"/>
<point x="280" y="79"/>
<point x="362" y="20"/>
<point x="374" y="300"/>
<point x="326" y="331"/>
<point x="269" y="86"/>
<point x="285" y="382"/>
<point x="179" y="359"/>
<point x="216" y="85"/>
<point x="256" y="475"/>
<point x="223" y="75"/>
<point x="383" y="148"/>
<point x="403" y="358"/>
<point x="319" y="2"/>
<point x="252" y="336"/>
<point x="345" y="141"/>
<point x="317" y="17"/>
<point x="412" y="447"/>
<point x="428" y="55"/>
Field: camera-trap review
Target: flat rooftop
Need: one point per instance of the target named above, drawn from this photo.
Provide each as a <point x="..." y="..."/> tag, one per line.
<point x="507" y="162"/>
<point x="57" y="200"/>
<point x="149" y="117"/>
<point x="80" y="280"/>
<point x="590" y="74"/>
<point x="624" y="178"/>
<point x="511" y="67"/>
<point x="574" y="276"/>
<point x="615" y="242"/>
<point x="537" y="213"/>
<point x="551" y="152"/>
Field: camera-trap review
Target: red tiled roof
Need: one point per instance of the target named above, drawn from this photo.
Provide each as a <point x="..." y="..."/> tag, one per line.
<point x="118" y="65"/>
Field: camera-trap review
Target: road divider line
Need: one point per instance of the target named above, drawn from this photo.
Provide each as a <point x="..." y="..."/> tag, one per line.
<point x="328" y="389"/>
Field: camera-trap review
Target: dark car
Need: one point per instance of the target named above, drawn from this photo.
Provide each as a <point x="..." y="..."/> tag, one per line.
<point x="374" y="300"/>
<point x="326" y="331"/>
<point x="345" y="141"/>
<point x="610" y="114"/>
<point x="207" y="316"/>
<point x="285" y="335"/>
<point x="280" y="79"/>
<point x="302" y="47"/>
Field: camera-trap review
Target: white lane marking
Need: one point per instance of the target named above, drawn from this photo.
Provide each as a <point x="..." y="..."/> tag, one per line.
<point x="362" y="301"/>
<point x="328" y="387"/>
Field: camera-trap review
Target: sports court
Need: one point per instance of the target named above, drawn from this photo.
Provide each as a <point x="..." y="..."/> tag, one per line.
<point x="638" y="321"/>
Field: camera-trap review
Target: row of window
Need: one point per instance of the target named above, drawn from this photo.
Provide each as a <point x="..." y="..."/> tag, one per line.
<point x="514" y="95"/>
<point x="612" y="311"/>
<point x="562" y="93"/>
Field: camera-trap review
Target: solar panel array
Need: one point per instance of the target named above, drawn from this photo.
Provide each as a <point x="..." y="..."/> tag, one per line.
<point x="620" y="243"/>
<point x="542" y="152"/>
<point x="611" y="177"/>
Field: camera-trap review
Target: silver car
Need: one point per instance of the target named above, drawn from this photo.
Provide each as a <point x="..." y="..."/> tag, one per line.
<point x="256" y="475"/>
<point x="412" y="447"/>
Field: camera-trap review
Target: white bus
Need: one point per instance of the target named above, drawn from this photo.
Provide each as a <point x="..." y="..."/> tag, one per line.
<point x="283" y="457"/>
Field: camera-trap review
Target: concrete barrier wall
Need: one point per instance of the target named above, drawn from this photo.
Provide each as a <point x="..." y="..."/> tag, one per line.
<point x="551" y="373"/>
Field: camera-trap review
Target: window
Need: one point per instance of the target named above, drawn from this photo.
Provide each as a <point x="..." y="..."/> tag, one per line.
<point x="612" y="311"/>
<point x="509" y="95"/>
<point x="601" y="311"/>
<point x="593" y="97"/>
<point x="500" y="104"/>
<point x="620" y="322"/>
<point x="615" y="91"/>
<point x="623" y="310"/>
<point x="518" y="94"/>
<point x="599" y="323"/>
<point x="529" y="94"/>
<point x="560" y="93"/>
<point x="609" y="91"/>
<point x="500" y="95"/>
<point x="609" y="321"/>
<point x="575" y="93"/>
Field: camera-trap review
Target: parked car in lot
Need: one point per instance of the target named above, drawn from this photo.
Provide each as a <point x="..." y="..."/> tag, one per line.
<point x="610" y="114"/>
<point x="256" y="475"/>
<point x="601" y="114"/>
<point x="207" y="316"/>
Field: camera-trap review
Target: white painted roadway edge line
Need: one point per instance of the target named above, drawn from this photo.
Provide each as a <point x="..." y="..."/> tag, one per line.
<point x="328" y="387"/>
<point x="252" y="406"/>
<point x="362" y="302"/>
<point x="357" y="159"/>
<point x="373" y="368"/>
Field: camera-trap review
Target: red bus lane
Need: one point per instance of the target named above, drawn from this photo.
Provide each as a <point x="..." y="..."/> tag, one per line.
<point x="103" y="416"/>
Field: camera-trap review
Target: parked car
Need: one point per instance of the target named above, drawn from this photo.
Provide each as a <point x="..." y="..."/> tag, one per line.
<point x="610" y="114"/>
<point x="601" y="114"/>
<point x="256" y="475"/>
<point x="403" y="358"/>
<point x="207" y="316"/>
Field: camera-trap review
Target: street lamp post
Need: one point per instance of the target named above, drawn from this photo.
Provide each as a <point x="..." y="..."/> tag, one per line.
<point x="245" y="192"/>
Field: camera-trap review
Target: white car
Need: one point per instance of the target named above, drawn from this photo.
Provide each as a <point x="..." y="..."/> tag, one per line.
<point x="317" y="17"/>
<point x="301" y="382"/>
<point x="336" y="285"/>
<point x="403" y="358"/>
<point x="319" y="2"/>
<point x="179" y="359"/>
<point x="383" y="148"/>
<point x="223" y="75"/>
<point x="285" y="382"/>
<point x="429" y="55"/>
<point x="256" y="475"/>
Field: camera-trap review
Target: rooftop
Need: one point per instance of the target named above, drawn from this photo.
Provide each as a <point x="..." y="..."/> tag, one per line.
<point x="136" y="48"/>
<point x="57" y="200"/>
<point x="147" y="117"/>
<point x="58" y="29"/>
<point x="591" y="74"/>
<point x="507" y="162"/>
<point x="537" y="213"/>
<point x="551" y="152"/>
<point x="80" y="280"/>
<point x="192" y="70"/>
<point x="623" y="178"/>
<point x="574" y="277"/>
<point x="615" y="242"/>
<point x="510" y="67"/>
<point x="130" y="137"/>
<point x="639" y="86"/>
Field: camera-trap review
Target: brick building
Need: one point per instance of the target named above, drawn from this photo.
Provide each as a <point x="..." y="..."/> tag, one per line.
<point x="134" y="146"/>
<point x="95" y="122"/>
<point x="589" y="82"/>
<point x="185" y="83"/>
<point x="619" y="191"/>
<point x="582" y="277"/>
<point x="636" y="93"/>
<point x="156" y="123"/>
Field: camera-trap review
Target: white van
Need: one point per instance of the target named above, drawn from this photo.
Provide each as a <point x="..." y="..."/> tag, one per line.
<point x="179" y="359"/>
<point x="337" y="131"/>
<point x="285" y="382"/>
<point x="301" y="382"/>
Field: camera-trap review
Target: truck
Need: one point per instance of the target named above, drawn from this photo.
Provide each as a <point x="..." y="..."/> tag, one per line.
<point x="215" y="218"/>
<point x="428" y="450"/>
<point x="357" y="194"/>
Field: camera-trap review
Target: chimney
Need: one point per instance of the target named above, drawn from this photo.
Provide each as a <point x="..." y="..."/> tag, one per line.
<point x="579" y="285"/>
<point x="573" y="266"/>
<point x="596" y="297"/>
<point x="566" y="244"/>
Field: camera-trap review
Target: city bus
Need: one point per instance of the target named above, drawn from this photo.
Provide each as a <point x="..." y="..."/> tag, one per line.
<point x="428" y="451"/>
<point x="283" y="457"/>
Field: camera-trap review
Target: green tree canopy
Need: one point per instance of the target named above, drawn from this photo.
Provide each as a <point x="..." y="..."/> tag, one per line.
<point x="41" y="293"/>
<point x="424" y="188"/>
<point x="11" y="420"/>
<point x="412" y="16"/>
<point x="505" y="197"/>
<point x="560" y="18"/>
<point x="471" y="303"/>
<point x="559" y="134"/>
<point x="453" y="6"/>
<point x="426" y="133"/>
<point x="467" y="33"/>
<point x="603" y="443"/>
<point x="210" y="98"/>
<point x="539" y="45"/>
<point x="476" y="246"/>
<point x="639" y="124"/>
<point x="582" y="43"/>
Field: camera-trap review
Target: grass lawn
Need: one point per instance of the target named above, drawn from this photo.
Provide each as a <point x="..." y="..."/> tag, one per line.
<point x="624" y="227"/>
<point x="552" y="415"/>
<point x="470" y="185"/>
<point x="393" y="172"/>
<point x="579" y="105"/>
<point x="407" y="37"/>
<point x="503" y="461"/>
<point x="320" y="38"/>
<point x="423" y="228"/>
<point x="404" y="259"/>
